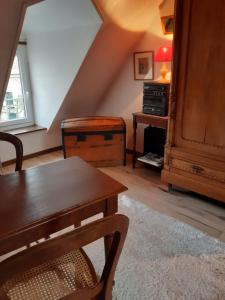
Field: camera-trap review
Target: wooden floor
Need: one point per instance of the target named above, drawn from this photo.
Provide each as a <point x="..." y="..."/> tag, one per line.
<point x="144" y="185"/>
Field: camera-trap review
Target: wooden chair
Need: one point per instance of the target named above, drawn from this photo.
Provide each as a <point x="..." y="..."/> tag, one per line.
<point x="10" y="138"/>
<point x="60" y="269"/>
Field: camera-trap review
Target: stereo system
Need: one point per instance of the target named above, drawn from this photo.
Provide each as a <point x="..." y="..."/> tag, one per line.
<point x="156" y="98"/>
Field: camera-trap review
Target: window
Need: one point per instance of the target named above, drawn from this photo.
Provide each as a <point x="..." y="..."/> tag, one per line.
<point x="17" y="106"/>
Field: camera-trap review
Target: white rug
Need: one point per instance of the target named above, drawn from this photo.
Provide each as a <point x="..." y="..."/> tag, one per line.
<point x="164" y="259"/>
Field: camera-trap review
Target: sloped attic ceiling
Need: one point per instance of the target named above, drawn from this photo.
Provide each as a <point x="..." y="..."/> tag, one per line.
<point x="59" y="35"/>
<point x="57" y="15"/>
<point x="58" y="18"/>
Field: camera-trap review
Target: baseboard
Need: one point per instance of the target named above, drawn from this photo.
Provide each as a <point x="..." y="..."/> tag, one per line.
<point x="32" y="155"/>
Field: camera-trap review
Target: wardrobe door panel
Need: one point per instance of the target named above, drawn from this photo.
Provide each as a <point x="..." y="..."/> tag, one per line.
<point x="194" y="110"/>
<point x="195" y="149"/>
<point x="215" y="77"/>
<point x="215" y="128"/>
<point x="201" y="90"/>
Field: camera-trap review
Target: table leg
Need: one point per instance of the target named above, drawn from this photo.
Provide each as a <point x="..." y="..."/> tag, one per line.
<point x="134" y="140"/>
<point x="170" y="187"/>
<point x="111" y="208"/>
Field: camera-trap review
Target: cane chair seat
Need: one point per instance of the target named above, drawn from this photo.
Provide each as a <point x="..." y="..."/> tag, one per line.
<point x="60" y="269"/>
<point x="53" y="280"/>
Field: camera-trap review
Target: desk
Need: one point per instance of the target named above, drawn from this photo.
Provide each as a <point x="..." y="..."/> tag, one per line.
<point x="156" y="121"/>
<point x="42" y="200"/>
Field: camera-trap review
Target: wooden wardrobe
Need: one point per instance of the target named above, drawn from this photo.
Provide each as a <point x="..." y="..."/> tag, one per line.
<point x="195" y="150"/>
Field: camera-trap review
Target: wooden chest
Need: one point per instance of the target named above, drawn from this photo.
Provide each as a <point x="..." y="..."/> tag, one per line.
<point x="100" y="141"/>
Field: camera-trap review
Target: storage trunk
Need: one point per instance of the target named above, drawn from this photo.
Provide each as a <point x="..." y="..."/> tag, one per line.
<point x="100" y="141"/>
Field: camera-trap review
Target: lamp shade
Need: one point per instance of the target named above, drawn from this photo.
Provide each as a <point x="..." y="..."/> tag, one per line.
<point x="164" y="54"/>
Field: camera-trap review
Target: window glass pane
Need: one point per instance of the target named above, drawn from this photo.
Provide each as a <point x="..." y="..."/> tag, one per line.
<point x="15" y="68"/>
<point x="14" y="105"/>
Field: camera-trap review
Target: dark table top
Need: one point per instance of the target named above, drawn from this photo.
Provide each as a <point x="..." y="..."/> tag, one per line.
<point x="36" y="194"/>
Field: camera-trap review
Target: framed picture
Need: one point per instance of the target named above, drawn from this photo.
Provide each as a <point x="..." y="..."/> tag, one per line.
<point x="144" y="65"/>
<point x="167" y="24"/>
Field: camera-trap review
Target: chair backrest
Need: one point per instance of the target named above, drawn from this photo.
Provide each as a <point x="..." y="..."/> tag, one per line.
<point x="12" y="139"/>
<point x="116" y="226"/>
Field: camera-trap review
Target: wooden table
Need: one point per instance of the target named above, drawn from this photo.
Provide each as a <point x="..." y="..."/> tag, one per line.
<point x="156" y="121"/>
<point x="42" y="200"/>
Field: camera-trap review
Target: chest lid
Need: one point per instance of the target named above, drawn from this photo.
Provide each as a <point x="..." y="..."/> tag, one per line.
<point x="92" y="124"/>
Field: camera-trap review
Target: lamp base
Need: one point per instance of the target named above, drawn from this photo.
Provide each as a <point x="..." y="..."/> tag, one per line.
<point x="162" y="80"/>
<point x="163" y="73"/>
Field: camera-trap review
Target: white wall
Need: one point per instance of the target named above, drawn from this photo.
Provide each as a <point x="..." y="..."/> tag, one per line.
<point x="32" y="143"/>
<point x="99" y="69"/>
<point x="122" y="99"/>
<point x="55" y="58"/>
<point x="59" y="34"/>
<point x="126" y="95"/>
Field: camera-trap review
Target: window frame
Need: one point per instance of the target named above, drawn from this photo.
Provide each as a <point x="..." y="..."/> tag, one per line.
<point x="27" y="93"/>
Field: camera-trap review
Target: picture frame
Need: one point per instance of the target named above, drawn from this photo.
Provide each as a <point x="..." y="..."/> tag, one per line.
<point x="143" y="65"/>
<point x="168" y="24"/>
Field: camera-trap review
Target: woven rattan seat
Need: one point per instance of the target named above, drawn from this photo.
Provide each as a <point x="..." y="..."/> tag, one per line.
<point x="54" y="279"/>
<point x="60" y="269"/>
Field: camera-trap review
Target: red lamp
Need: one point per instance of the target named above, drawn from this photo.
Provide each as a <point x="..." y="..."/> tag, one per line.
<point x="164" y="55"/>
